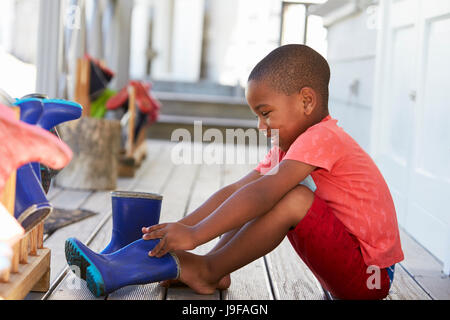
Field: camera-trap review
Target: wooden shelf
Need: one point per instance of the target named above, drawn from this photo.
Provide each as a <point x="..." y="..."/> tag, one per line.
<point x="30" y="265"/>
<point x="33" y="276"/>
<point x="30" y="269"/>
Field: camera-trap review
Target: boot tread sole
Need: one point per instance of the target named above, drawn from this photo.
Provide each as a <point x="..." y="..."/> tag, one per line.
<point x="87" y="270"/>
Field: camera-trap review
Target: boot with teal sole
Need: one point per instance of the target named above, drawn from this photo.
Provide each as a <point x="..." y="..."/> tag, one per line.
<point x="131" y="265"/>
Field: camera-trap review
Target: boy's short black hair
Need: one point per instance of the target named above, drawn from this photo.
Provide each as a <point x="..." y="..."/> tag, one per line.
<point x="291" y="67"/>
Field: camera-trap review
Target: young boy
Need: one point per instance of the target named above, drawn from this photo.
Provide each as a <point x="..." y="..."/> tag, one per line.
<point x="346" y="231"/>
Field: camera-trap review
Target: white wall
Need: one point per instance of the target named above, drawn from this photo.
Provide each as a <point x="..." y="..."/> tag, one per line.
<point x="177" y="39"/>
<point x="351" y="55"/>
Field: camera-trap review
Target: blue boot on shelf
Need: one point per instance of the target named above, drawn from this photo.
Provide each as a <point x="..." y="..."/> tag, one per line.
<point x="31" y="205"/>
<point x="57" y="111"/>
<point x="30" y="109"/>
<point x="130" y="212"/>
<point x="131" y="265"/>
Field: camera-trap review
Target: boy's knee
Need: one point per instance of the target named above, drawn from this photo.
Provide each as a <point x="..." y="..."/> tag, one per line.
<point x="303" y="196"/>
<point x="303" y="191"/>
<point x="297" y="203"/>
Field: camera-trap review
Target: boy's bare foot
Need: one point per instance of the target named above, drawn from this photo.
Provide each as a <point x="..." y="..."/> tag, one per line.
<point x="195" y="274"/>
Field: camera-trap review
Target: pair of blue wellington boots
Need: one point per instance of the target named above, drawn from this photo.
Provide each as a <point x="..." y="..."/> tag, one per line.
<point x="125" y="260"/>
<point x="31" y="205"/>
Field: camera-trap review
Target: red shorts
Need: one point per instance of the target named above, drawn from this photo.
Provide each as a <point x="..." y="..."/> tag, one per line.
<point x="334" y="256"/>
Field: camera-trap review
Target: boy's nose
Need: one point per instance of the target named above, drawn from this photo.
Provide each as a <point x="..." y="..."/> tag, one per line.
<point x="262" y="125"/>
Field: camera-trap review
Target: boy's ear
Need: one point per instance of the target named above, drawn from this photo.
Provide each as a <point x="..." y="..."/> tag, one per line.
<point x="309" y="99"/>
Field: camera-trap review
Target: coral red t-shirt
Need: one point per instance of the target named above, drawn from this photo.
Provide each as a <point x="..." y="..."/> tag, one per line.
<point x="351" y="184"/>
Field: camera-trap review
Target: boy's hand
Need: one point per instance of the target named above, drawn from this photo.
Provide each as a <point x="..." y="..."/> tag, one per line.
<point x="174" y="236"/>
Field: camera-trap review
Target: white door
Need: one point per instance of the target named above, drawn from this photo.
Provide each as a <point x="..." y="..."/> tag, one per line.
<point x="412" y="118"/>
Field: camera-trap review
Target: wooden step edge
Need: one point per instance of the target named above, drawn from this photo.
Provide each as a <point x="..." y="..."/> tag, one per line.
<point x="201" y="98"/>
<point x="221" y="122"/>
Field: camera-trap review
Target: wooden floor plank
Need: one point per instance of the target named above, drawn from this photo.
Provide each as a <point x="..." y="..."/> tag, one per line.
<point x="74" y="288"/>
<point x="251" y="281"/>
<point x="175" y="197"/>
<point x="405" y="288"/>
<point x="68" y="199"/>
<point x="207" y="182"/>
<point x="154" y="179"/>
<point x="53" y="191"/>
<point x="291" y="278"/>
<point x="177" y="194"/>
<point x="424" y="268"/>
<point x="156" y="176"/>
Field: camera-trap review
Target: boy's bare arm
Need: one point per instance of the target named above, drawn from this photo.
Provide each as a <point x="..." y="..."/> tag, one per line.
<point x="252" y="200"/>
<point x="214" y="201"/>
<point x="249" y="202"/>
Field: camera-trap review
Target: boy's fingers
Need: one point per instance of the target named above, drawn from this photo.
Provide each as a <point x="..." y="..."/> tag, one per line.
<point x="153" y="235"/>
<point x="157" y="248"/>
<point x="162" y="252"/>
<point x="153" y="228"/>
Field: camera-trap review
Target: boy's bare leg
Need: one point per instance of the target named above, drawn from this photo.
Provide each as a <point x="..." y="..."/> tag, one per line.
<point x="252" y="241"/>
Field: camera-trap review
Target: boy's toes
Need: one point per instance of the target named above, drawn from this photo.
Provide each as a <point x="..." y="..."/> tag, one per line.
<point x="224" y="283"/>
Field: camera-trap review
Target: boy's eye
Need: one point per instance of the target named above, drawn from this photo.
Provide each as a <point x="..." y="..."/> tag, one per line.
<point x="265" y="113"/>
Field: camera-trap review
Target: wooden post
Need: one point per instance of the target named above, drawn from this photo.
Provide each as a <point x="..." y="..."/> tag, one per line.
<point x="23" y="256"/>
<point x="40" y="242"/>
<point x="15" y="259"/>
<point x="33" y="241"/>
<point x="132" y="119"/>
<point x="82" y="85"/>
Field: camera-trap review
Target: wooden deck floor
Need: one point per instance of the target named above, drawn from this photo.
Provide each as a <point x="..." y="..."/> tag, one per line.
<point x="278" y="275"/>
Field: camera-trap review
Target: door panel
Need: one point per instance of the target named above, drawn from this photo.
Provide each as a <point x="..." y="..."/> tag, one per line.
<point x="398" y="107"/>
<point x="413" y="152"/>
<point x="429" y="220"/>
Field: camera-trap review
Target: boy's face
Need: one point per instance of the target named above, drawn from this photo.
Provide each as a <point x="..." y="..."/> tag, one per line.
<point x="275" y="110"/>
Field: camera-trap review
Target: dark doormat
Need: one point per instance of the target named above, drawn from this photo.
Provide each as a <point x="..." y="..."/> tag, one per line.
<point x="62" y="217"/>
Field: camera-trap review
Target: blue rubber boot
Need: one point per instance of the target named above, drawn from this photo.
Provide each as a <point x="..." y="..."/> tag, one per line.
<point x="31" y="205"/>
<point x="130" y="212"/>
<point x="30" y="109"/>
<point x="130" y="265"/>
<point x="57" y="111"/>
